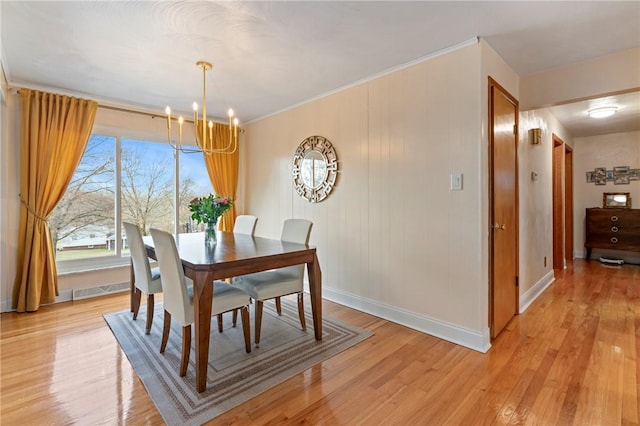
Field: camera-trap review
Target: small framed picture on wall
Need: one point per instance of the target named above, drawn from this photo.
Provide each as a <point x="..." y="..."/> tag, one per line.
<point x="621" y="179"/>
<point x="621" y="175"/>
<point x="600" y="175"/>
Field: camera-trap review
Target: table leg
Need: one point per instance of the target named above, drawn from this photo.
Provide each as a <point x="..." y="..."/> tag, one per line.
<point x="315" y="289"/>
<point x="132" y="278"/>
<point x="202" y="301"/>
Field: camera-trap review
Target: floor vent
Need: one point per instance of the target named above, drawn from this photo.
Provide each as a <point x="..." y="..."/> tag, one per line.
<point x="85" y="293"/>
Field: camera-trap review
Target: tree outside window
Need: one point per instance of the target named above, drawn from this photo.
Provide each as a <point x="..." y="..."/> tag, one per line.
<point x="83" y="225"/>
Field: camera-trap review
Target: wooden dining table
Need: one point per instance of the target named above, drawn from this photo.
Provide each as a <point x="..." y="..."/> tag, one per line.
<point x="231" y="256"/>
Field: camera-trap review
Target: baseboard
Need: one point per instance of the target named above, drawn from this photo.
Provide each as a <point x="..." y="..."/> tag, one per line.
<point x="534" y="292"/>
<point x="64" y="296"/>
<point x="78" y="294"/>
<point x="5" y="306"/>
<point x="441" y="329"/>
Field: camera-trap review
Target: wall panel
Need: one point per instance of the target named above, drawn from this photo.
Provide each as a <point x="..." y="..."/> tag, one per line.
<point x="392" y="238"/>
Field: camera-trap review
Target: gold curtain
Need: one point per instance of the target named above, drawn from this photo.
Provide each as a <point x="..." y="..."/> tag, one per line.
<point x="223" y="172"/>
<point x="54" y="132"/>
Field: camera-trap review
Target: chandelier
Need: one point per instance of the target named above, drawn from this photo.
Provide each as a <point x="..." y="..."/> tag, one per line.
<point x="203" y="129"/>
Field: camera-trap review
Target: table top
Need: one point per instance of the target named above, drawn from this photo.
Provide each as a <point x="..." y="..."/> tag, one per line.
<point x="236" y="254"/>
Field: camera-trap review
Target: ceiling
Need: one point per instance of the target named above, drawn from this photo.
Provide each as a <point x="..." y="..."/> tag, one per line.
<point x="269" y="56"/>
<point x="575" y="118"/>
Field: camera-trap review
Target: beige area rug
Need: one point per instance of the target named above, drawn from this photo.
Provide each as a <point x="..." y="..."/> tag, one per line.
<point x="233" y="375"/>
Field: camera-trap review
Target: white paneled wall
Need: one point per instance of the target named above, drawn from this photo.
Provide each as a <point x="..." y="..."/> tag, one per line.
<point x="392" y="238"/>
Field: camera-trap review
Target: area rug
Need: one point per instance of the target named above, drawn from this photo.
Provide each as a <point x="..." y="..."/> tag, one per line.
<point x="233" y="375"/>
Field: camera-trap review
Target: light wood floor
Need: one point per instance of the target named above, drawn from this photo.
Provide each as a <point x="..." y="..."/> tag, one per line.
<point x="572" y="358"/>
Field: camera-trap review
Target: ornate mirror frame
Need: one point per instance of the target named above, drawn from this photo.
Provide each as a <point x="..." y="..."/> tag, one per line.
<point x="315" y="168"/>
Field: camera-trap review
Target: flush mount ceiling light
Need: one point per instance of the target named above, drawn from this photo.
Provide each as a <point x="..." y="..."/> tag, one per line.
<point x="602" y="112"/>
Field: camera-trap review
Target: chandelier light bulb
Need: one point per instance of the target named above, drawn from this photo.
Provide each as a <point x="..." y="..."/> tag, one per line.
<point x="230" y="112"/>
<point x="180" y="120"/>
<point x="195" y="106"/>
<point x="235" y="121"/>
<point x="167" y="110"/>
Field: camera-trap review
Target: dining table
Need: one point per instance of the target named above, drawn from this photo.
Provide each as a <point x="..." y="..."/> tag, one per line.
<point x="230" y="256"/>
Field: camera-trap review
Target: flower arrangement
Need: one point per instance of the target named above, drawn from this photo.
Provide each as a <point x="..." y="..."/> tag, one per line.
<point x="209" y="208"/>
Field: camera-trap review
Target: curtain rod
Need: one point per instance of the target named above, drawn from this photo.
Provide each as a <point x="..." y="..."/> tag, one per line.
<point x="154" y="115"/>
<point x="134" y="111"/>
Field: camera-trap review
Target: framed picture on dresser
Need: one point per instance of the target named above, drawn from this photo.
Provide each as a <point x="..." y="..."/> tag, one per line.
<point x="616" y="200"/>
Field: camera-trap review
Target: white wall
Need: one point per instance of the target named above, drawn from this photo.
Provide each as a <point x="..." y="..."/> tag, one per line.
<point x="617" y="149"/>
<point x="536" y="202"/>
<point x="9" y="198"/>
<point x="392" y="238"/>
<point x="607" y="74"/>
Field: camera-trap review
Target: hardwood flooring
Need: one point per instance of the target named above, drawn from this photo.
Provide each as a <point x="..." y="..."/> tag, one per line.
<point x="571" y="359"/>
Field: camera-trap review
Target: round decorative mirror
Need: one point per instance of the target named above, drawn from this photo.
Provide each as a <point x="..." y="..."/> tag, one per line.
<point x="315" y="168"/>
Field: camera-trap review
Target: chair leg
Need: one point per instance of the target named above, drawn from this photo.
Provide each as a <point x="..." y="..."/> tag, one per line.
<point x="235" y="317"/>
<point x="137" y="295"/>
<point x="301" y="310"/>
<point x="165" y="331"/>
<point x="150" y="304"/>
<point x="219" y="323"/>
<point x="258" y="320"/>
<point x="186" y="349"/>
<point x="278" y="306"/>
<point x="244" y="312"/>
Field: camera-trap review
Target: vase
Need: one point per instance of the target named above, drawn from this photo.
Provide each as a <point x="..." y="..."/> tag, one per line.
<point x="210" y="237"/>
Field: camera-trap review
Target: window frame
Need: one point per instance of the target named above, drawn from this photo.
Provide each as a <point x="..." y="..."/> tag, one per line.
<point x="118" y="258"/>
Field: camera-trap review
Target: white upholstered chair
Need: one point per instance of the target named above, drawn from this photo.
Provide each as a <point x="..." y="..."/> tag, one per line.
<point x="147" y="280"/>
<point x="275" y="283"/>
<point x="245" y="224"/>
<point x="178" y="297"/>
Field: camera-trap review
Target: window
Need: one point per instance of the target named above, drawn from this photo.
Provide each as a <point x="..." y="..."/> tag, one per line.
<point x="122" y="179"/>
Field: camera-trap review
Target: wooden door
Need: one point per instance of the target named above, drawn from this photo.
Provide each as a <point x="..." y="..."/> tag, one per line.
<point x="503" y="171"/>
<point x="558" y="202"/>
<point x="568" y="204"/>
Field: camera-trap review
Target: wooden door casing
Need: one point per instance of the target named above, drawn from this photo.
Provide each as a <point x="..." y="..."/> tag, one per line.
<point x="503" y="239"/>
<point x="568" y="204"/>
<point x="558" y="202"/>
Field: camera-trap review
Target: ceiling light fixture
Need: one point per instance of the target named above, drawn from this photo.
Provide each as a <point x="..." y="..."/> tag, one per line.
<point x="204" y="137"/>
<point x="602" y="112"/>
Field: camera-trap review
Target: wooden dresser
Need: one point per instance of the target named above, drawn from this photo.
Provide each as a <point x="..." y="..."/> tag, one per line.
<point x="613" y="229"/>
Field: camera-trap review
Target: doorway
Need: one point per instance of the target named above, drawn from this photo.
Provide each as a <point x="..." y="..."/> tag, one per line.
<point x="568" y="204"/>
<point x="562" y="183"/>
<point x="503" y="202"/>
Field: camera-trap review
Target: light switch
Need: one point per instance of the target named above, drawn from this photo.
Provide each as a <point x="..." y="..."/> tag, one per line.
<point x="456" y="181"/>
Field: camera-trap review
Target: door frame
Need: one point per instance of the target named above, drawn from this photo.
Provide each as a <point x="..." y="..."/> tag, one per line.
<point x="495" y="85"/>
<point x="558" y="204"/>
<point x="568" y="204"/>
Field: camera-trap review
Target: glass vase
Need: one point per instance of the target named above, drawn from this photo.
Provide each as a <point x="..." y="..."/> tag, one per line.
<point x="210" y="237"/>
